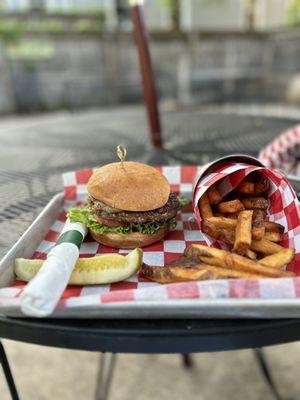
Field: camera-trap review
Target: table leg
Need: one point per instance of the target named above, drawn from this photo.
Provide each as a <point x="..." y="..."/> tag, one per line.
<point x="105" y="375"/>
<point x="7" y="373"/>
<point x="262" y="362"/>
<point x="187" y="360"/>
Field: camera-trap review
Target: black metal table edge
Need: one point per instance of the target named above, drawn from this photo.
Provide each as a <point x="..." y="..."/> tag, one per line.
<point x="180" y="337"/>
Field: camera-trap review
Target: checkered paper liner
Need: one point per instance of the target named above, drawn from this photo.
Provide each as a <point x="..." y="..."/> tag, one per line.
<point x="136" y="288"/>
<point x="284" y="152"/>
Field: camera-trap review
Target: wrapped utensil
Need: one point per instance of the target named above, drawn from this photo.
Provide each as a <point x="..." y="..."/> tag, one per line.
<point x="42" y="294"/>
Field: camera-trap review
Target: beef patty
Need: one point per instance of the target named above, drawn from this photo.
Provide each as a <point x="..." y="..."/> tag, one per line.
<point x="106" y="213"/>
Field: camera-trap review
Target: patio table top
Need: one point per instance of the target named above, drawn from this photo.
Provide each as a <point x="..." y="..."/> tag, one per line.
<point x="35" y="151"/>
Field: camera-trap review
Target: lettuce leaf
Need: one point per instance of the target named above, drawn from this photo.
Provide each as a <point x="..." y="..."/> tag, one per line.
<point x="85" y="215"/>
<point x="183" y="201"/>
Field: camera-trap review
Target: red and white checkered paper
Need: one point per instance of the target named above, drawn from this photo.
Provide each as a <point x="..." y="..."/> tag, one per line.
<point x="186" y="232"/>
<point x="283" y="151"/>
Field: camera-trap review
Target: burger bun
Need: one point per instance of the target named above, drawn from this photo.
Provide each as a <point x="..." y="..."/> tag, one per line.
<point x="130" y="241"/>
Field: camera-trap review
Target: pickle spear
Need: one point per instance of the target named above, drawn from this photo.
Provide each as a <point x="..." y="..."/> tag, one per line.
<point x="107" y="268"/>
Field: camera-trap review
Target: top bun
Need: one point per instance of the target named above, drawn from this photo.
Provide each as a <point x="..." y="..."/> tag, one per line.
<point x="133" y="187"/>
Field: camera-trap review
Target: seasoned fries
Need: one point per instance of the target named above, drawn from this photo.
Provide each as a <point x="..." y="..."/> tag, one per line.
<point x="205" y="208"/>
<point x="231" y="216"/>
<point x="273" y="227"/>
<point x="224" y="235"/>
<point x="173" y="274"/>
<point x="265" y="246"/>
<point x="230" y="207"/>
<point x="246" y="188"/>
<point x="240" y="221"/>
<point x="243" y="232"/>
<point x="223" y="222"/>
<point x="187" y="269"/>
<point x="258" y="225"/>
<point x="214" y="195"/>
<point x="273" y="236"/>
<point x="252" y="203"/>
<point x="251" y="254"/>
<point x="255" y="188"/>
<point x="279" y="259"/>
<point x="225" y="259"/>
<point x="261" y="186"/>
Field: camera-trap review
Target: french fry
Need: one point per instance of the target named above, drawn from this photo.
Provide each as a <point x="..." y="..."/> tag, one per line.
<point x="223" y="222"/>
<point x="243" y="232"/>
<point x="246" y="188"/>
<point x="251" y="254"/>
<point x="214" y="195"/>
<point x="273" y="227"/>
<point x="265" y="246"/>
<point x="258" y="227"/>
<point x="182" y="274"/>
<point x="225" y="259"/>
<point x="205" y="208"/>
<point x="226" y="273"/>
<point x="173" y="274"/>
<point x="231" y="216"/>
<point x="273" y="236"/>
<point x="187" y="269"/>
<point x="251" y="203"/>
<point x="256" y="188"/>
<point x="258" y="232"/>
<point x="262" y="185"/>
<point x="279" y="259"/>
<point x="261" y="213"/>
<point x="224" y="235"/>
<point x="231" y="206"/>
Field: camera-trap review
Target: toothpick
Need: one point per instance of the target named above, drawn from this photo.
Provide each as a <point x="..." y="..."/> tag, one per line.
<point x="121" y="153"/>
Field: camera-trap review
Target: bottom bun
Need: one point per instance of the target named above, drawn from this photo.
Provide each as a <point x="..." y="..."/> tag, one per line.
<point x="135" y="239"/>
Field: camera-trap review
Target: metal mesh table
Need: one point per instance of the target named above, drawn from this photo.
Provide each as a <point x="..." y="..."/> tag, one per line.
<point x="34" y="153"/>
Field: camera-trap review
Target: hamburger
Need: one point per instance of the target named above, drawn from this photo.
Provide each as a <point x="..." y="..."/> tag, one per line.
<point x="129" y="205"/>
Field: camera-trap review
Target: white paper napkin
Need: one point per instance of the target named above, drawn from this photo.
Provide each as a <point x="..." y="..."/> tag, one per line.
<point x="43" y="292"/>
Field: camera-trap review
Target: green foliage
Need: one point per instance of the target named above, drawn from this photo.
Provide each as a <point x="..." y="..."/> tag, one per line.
<point x="11" y="30"/>
<point x="174" y="7"/>
<point x="173" y="3"/>
<point x="46" y="25"/>
<point x="293" y="13"/>
<point x="85" y="25"/>
<point x="31" y="50"/>
<point x="168" y="3"/>
<point x="183" y="201"/>
<point x="93" y="11"/>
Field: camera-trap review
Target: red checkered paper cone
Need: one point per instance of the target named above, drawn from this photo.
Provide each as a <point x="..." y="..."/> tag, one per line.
<point x="284" y="205"/>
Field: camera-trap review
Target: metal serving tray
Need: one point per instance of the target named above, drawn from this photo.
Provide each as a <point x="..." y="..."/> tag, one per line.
<point x="195" y="308"/>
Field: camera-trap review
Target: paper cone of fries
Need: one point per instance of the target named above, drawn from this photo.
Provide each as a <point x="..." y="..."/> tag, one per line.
<point x="224" y="177"/>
